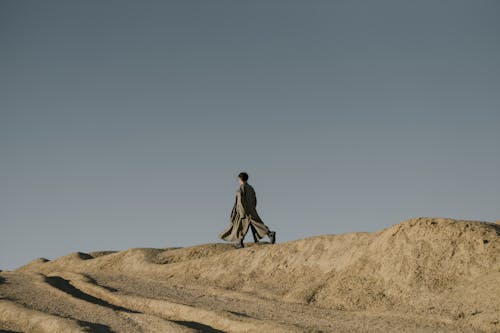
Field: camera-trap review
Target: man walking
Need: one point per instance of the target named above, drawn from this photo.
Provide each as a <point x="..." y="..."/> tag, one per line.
<point x="244" y="215"/>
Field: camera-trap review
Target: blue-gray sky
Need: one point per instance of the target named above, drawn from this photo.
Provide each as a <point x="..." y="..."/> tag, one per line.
<point x="124" y="123"/>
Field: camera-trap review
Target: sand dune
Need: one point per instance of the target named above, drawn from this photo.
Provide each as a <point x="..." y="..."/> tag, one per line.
<point x="422" y="275"/>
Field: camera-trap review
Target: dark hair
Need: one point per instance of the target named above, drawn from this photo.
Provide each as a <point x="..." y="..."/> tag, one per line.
<point x="243" y="176"/>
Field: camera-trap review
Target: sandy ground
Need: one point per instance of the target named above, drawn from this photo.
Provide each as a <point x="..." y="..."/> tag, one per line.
<point x="422" y="275"/>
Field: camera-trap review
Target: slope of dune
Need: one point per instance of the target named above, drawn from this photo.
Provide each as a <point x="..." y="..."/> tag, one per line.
<point x="421" y="275"/>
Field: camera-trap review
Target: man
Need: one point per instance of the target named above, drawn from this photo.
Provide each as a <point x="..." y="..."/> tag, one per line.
<point x="244" y="215"/>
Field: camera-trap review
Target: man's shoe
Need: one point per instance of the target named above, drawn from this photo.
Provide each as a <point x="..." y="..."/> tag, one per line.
<point x="272" y="236"/>
<point x="240" y="244"/>
<point x="255" y="239"/>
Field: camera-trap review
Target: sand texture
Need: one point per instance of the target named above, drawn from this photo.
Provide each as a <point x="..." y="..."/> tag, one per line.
<point x="421" y="275"/>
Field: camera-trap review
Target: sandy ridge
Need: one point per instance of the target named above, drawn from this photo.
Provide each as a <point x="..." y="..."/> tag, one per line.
<point x="421" y="275"/>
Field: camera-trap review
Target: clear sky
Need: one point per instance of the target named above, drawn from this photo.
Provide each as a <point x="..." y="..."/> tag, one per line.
<point x="124" y="123"/>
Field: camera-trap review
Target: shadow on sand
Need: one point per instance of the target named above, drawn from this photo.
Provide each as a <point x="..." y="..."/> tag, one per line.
<point x="95" y="328"/>
<point x="198" y="326"/>
<point x="64" y="285"/>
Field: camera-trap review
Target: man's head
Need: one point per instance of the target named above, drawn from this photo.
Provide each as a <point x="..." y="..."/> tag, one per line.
<point x="242" y="178"/>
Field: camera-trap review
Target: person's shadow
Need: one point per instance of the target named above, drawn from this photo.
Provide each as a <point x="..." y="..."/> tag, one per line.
<point x="198" y="326"/>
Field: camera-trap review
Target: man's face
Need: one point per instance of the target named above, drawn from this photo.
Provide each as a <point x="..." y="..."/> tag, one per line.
<point x="241" y="182"/>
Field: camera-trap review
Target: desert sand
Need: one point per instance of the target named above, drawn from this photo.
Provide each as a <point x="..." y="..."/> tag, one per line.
<point x="421" y="275"/>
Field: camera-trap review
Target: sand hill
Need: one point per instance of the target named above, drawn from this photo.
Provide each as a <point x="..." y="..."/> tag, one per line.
<point x="422" y="275"/>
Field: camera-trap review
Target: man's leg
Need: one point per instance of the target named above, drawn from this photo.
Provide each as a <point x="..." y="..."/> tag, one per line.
<point x="244" y="233"/>
<point x="272" y="236"/>
<point x="254" y="234"/>
<point x="259" y="230"/>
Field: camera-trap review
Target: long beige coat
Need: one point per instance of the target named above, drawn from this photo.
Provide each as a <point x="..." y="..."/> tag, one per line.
<point x="244" y="215"/>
